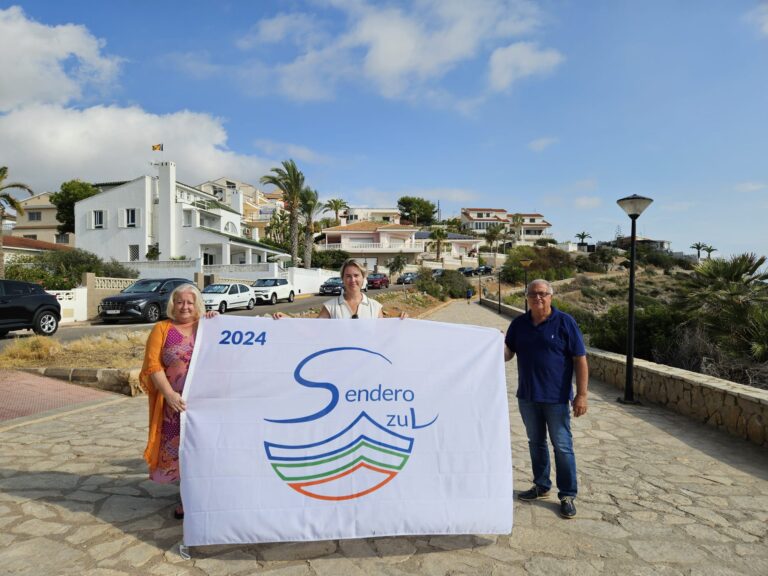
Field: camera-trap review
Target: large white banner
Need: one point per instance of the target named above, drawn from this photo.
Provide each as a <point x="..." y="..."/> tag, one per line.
<point x="323" y="429"/>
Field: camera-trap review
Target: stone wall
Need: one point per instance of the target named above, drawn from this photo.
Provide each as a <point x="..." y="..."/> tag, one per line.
<point x="738" y="409"/>
<point x="734" y="408"/>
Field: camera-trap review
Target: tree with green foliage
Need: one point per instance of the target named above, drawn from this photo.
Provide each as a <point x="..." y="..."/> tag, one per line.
<point x="153" y="252"/>
<point x="336" y="205"/>
<point x="70" y="193"/>
<point x="724" y="295"/>
<point x="330" y="259"/>
<point x="516" y="221"/>
<point x="8" y="201"/>
<point x="290" y="181"/>
<point x="397" y="264"/>
<point x="310" y="207"/>
<point x="709" y="249"/>
<point x="698" y="246"/>
<point x="418" y="211"/>
<point x="492" y="236"/>
<point x="438" y="237"/>
<point x="278" y="231"/>
<point x="63" y="269"/>
<point x="582" y="236"/>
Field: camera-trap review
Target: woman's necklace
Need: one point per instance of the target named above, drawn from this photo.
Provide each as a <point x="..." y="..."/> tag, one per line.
<point x="353" y="304"/>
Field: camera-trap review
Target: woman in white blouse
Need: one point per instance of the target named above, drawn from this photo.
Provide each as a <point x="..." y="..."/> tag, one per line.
<point x="352" y="303"/>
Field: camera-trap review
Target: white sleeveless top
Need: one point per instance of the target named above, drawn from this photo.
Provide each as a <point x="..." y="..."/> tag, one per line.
<point x="338" y="308"/>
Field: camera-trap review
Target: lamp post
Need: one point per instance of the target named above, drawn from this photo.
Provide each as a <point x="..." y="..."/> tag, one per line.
<point x="634" y="206"/>
<point x="525" y="264"/>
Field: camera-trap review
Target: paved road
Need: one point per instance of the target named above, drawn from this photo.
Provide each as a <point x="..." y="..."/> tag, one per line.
<point x="659" y="494"/>
<point x="67" y="333"/>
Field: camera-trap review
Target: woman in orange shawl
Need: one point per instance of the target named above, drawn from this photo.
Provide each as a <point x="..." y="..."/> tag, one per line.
<point x="166" y="362"/>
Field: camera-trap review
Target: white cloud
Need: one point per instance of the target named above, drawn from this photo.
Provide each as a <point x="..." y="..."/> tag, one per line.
<point x="402" y="50"/>
<point x="541" y="144"/>
<point x="750" y="186"/>
<point x="104" y="143"/>
<point x="587" y="202"/>
<point x="296" y="27"/>
<point x="49" y="64"/>
<point x="759" y="17"/>
<point x="283" y="150"/>
<point x="519" y="60"/>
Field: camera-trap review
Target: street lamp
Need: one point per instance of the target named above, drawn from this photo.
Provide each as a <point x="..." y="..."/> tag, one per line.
<point x="634" y="206"/>
<point x="525" y="264"/>
<point x="499" y="276"/>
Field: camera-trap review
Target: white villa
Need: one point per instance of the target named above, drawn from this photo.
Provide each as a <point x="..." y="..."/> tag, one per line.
<point x="378" y="242"/>
<point x="125" y="220"/>
<point x="363" y="214"/>
<point x="525" y="228"/>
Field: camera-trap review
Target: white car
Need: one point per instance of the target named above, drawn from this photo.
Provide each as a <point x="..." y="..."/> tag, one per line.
<point x="273" y="289"/>
<point x="224" y="295"/>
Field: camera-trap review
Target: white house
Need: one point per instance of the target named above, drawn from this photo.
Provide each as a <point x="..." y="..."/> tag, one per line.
<point x="124" y="221"/>
<point x="364" y="214"/>
<point x="525" y="228"/>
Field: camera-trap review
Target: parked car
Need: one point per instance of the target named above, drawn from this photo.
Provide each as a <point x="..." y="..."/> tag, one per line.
<point x="226" y="295"/>
<point x="333" y="285"/>
<point x="408" y="278"/>
<point x="26" y="306"/>
<point x="378" y="281"/>
<point x="273" y="289"/>
<point x="483" y="270"/>
<point x="437" y="273"/>
<point x="143" y="300"/>
<point x="466" y="270"/>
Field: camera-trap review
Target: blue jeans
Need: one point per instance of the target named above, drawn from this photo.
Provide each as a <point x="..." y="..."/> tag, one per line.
<point x="555" y="418"/>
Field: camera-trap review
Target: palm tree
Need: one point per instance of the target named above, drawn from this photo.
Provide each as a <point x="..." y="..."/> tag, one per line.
<point x="438" y="237"/>
<point x="724" y="294"/>
<point x="709" y="249"/>
<point x="582" y="236"/>
<point x="310" y="207"/>
<point x="290" y="181"/>
<point x="277" y="230"/>
<point x="8" y="201"/>
<point x="516" y="221"/>
<point x="698" y="246"/>
<point x="397" y="264"/>
<point x="492" y="235"/>
<point x="336" y="205"/>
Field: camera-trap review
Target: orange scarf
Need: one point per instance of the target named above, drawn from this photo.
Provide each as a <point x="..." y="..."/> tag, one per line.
<point x="153" y="363"/>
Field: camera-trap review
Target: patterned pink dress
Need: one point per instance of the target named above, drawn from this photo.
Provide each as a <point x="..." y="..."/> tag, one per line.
<point x="176" y="355"/>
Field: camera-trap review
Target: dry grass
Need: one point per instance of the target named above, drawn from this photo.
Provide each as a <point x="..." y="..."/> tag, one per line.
<point x="125" y="350"/>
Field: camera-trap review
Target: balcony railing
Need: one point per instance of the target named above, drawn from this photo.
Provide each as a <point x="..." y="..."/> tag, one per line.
<point x="411" y="246"/>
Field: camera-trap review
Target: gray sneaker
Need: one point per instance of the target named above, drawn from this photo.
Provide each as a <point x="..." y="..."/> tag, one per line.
<point x="533" y="494"/>
<point x="567" y="507"/>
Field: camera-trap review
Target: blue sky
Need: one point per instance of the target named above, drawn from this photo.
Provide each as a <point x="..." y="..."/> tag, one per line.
<point x="558" y="107"/>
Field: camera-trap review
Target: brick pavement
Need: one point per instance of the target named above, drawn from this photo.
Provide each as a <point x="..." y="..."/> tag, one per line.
<point x="660" y="494"/>
<point x="25" y="394"/>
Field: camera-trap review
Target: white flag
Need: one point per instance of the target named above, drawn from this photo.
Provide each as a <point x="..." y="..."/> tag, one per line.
<point x="322" y="429"/>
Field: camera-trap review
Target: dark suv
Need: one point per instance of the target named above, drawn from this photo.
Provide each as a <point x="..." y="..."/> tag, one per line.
<point x="25" y="306"/>
<point x="143" y="300"/>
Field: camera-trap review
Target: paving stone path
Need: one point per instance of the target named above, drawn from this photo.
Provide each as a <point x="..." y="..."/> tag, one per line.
<point x="659" y="494"/>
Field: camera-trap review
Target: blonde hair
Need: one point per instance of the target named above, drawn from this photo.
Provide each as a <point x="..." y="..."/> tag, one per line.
<point x="192" y="289"/>
<point x="352" y="262"/>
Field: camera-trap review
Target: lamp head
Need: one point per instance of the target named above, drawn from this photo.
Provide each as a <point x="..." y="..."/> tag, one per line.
<point x="634" y="205"/>
<point x="525" y="263"/>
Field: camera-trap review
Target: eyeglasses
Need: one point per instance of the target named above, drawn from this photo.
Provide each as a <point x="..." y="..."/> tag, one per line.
<point x="541" y="295"/>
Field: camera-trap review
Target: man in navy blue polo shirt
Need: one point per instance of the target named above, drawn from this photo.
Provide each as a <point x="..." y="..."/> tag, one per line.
<point x="549" y="348"/>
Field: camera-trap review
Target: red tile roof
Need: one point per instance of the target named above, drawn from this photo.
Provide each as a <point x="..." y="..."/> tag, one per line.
<point x="29" y="244"/>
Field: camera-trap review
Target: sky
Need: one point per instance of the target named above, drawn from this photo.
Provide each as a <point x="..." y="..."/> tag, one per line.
<point x="557" y="107"/>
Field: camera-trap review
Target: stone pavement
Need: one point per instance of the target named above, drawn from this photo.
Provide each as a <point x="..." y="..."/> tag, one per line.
<point x="659" y="494"/>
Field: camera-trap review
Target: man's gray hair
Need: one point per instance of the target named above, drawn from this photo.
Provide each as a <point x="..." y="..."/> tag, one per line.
<point x="539" y="281"/>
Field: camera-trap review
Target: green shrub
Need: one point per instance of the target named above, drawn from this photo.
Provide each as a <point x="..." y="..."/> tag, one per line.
<point x="329" y="259"/>
<point x="454" y="284"/>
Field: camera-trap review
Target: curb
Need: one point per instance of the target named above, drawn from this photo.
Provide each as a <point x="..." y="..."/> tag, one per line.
<point x="121" y="381"/>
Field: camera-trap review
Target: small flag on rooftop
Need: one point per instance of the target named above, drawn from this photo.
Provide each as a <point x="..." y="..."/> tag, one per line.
<point x="156" y="147"/>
